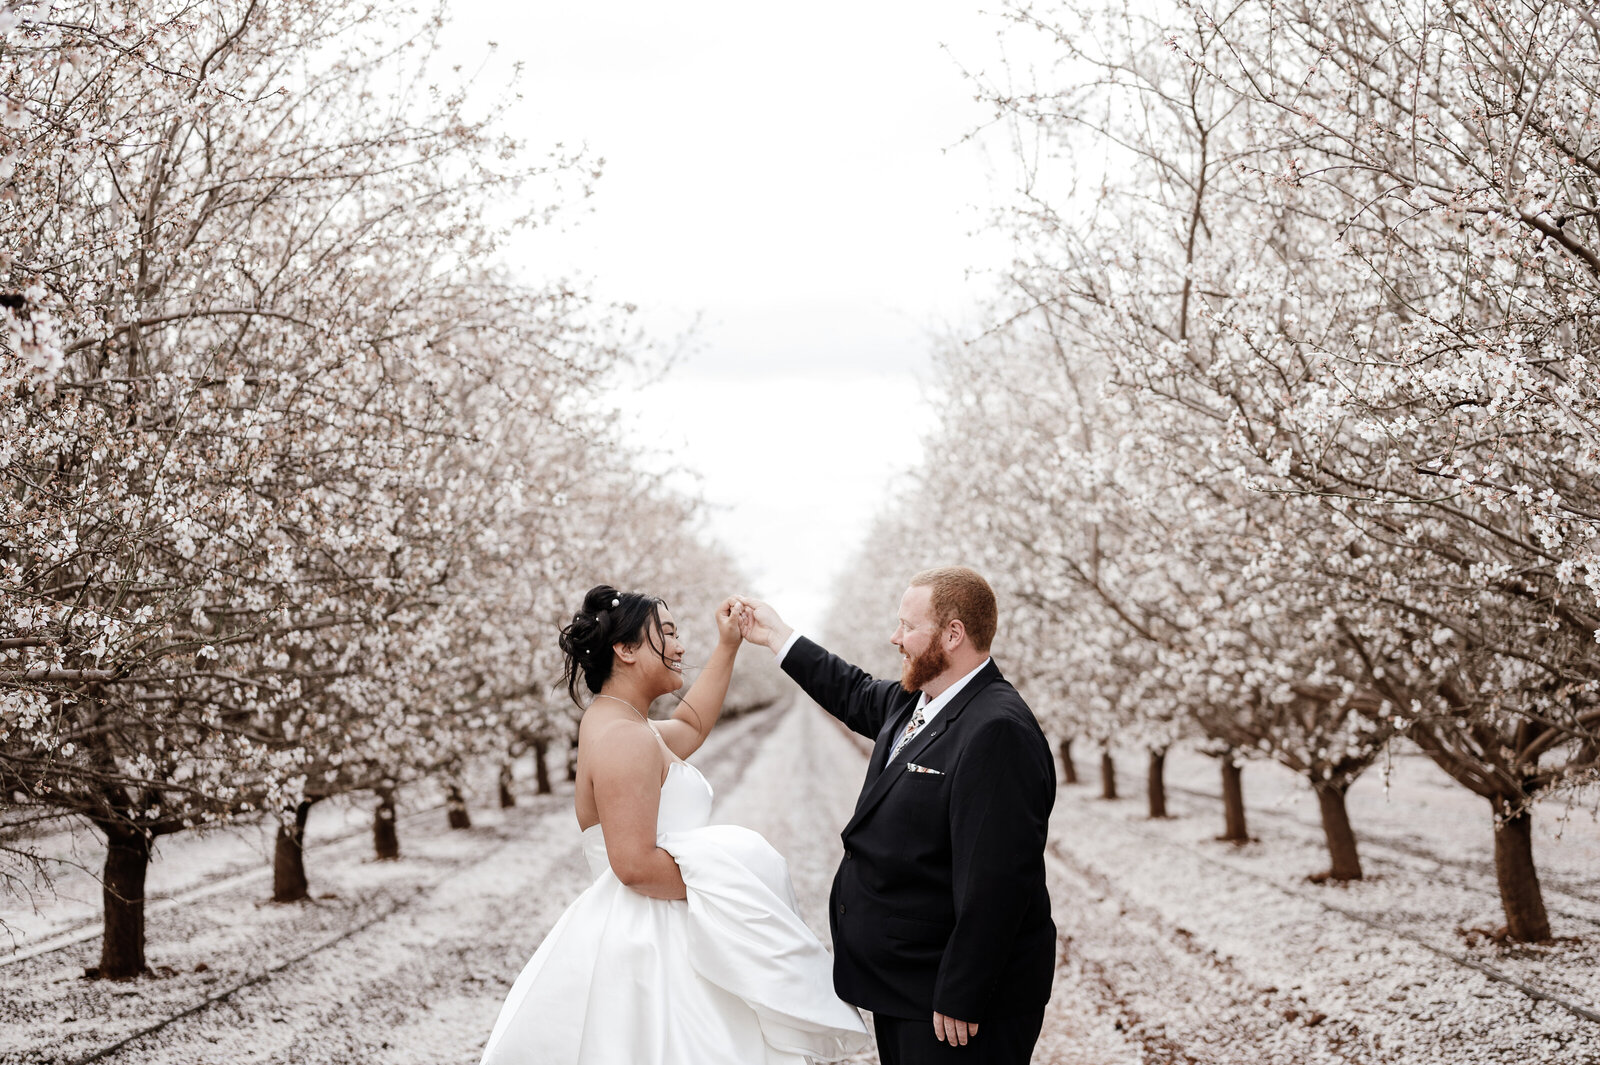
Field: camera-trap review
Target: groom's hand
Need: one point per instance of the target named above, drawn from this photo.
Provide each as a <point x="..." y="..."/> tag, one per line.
<point x="761" y="624"/>
<point x="949" y="1030"/>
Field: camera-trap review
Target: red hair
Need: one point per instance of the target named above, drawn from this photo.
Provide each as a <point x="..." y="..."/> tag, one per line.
<point x="961" y="592"/>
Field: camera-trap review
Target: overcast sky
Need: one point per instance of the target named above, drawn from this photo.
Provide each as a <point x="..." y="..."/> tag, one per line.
<point x="796" y="180"/>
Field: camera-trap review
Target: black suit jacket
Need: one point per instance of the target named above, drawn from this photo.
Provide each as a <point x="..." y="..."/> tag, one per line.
<point x="940" y="902"/>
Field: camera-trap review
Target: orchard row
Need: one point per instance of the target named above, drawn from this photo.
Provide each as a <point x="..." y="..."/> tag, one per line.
<point x="296" y="485"/>
<point x="1285" y="438"/>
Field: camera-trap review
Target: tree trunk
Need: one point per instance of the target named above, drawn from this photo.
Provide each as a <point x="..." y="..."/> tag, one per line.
<point x="385" y="838"/>
<point x="456" y="805"/>
<point x="507" y="798"/>
<point x="1520" y="897"/>
<point x="541" y="771"/>
<point x="1108" y="775"/>
<point x="1344" y="863"/>
<point x="1235" y="830"/>
<point x="1069" y="769"/>
<point x="122" y="893"/>
<point x="289" y="858"/>
<point x="1156" y="783"/>
<point x="572" y="762"/>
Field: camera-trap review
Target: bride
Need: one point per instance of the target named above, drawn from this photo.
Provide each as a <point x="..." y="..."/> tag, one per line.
<point x="687" y="947"/>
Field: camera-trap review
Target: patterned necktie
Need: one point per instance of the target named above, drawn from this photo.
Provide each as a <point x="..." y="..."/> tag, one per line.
<point x="910" y="730"/>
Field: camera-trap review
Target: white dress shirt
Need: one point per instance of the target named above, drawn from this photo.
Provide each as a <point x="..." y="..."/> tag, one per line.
<point x="930" y="707"/>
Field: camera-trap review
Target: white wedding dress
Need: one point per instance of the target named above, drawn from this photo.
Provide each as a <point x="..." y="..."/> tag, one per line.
<point x="730" y="975"/>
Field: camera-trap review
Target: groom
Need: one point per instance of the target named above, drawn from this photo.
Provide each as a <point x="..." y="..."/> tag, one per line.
<point x="940" y="917"/>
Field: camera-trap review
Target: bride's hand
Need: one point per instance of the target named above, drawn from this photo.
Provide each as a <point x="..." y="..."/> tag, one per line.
<point x="730" y="618"/>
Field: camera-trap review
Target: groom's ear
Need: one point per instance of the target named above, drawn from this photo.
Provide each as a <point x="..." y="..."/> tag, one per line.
<point x="955" y="632"/>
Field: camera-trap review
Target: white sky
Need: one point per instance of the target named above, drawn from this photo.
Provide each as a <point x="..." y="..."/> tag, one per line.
<point x="793" y="178"/>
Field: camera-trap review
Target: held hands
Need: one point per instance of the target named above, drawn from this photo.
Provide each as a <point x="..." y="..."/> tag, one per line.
<point x="730" y="620"/>
<point x="759" y="623"/>
<point x="949" y="1030"/>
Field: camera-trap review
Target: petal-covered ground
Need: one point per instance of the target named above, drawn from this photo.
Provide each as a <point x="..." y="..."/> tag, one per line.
<point x="1175" y="948"/>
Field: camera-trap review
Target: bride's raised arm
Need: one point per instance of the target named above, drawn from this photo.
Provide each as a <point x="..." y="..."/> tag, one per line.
<point x="700" y="707"/>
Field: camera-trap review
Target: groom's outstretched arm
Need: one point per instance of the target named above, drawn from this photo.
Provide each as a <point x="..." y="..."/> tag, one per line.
<point x="847" y="692"/>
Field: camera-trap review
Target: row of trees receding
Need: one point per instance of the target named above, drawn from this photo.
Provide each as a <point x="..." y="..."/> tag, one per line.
<point x="1286" y="435"/>
<point x="295" y="483"/>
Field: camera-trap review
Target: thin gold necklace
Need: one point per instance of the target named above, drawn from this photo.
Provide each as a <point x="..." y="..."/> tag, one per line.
<point x="624" y="702"/>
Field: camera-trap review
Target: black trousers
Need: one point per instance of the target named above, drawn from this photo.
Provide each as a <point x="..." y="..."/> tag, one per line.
<point x="1000" y="1041"/>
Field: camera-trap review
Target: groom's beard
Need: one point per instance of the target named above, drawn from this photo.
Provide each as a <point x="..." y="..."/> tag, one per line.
<point x="915" y="672"/>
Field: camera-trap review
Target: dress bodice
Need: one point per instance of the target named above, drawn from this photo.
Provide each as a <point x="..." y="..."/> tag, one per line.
<point x="685" y="803"/>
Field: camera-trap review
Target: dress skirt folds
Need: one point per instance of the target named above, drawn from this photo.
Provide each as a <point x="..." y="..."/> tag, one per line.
<point x="732" y="975"/>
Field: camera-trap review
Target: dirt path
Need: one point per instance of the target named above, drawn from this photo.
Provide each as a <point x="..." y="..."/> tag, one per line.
<point x="1176" y="951"/>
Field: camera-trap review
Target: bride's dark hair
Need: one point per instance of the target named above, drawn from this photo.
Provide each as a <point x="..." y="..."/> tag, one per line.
<point x="607" y="617"/>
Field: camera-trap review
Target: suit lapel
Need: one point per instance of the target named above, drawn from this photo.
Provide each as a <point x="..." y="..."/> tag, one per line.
<point x="887" y="735"/>
<point x="887" y="776"/>
<point x="882" y="745"/>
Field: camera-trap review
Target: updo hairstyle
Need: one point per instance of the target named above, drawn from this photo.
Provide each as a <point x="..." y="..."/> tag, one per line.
<point x="608" y="617"/>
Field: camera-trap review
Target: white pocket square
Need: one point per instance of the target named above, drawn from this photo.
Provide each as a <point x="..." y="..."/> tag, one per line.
<point x="912" y="767"/>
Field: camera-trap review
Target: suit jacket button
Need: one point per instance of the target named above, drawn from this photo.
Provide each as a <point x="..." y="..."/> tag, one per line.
<point x="847" y="855"/>
<point x="841" y="907"/>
